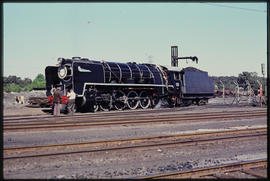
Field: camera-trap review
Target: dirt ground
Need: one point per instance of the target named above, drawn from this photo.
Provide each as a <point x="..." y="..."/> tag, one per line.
<point x="11" y="107"/>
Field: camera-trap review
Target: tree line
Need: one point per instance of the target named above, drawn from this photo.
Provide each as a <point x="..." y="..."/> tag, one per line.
<point x="242" y="80"/>
<point x="13" y="83"/>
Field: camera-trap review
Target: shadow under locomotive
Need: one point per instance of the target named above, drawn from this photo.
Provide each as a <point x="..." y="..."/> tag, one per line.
<point x="103" y="85"/>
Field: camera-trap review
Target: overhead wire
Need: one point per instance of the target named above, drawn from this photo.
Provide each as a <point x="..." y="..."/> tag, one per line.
<point x="227" y="6"/>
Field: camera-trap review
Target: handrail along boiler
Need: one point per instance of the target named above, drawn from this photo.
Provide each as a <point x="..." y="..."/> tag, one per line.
<point x="110" y="85"/>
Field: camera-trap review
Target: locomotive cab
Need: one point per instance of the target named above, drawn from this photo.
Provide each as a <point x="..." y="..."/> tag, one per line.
<point x="175" y="79"/>
<point x="177" y="83"/>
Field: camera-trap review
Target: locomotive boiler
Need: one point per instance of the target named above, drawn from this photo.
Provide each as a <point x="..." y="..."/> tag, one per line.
<point x="109" y="85"/>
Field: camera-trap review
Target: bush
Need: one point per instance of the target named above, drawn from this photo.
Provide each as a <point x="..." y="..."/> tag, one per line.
<point x="12" y="88"/>
<point x="28" y="88"/>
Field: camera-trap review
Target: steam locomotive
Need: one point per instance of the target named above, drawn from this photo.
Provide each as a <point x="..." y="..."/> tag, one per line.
<point x="110" y="85"/>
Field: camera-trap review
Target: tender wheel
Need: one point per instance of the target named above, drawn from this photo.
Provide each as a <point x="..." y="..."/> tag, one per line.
<point x="120" y="100"/>
<point x="132" y="101"/>
<point x="201" y="102"/>
<point x="144" y="100"/>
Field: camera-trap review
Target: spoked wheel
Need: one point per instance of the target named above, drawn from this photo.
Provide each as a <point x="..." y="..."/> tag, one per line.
<point x="75" y="108"/>
<point x="106" y="105"/>
<point x="154" y="101"/>
<point x="96" y="107"/>
<point x="144" y="100"/>
<point x="132" y="101"/>
<point x="120" y="100"/>
<point x="202" y="102"/>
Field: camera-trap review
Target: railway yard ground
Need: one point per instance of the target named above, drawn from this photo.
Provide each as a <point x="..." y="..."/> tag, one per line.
<point x="215" y="140"/>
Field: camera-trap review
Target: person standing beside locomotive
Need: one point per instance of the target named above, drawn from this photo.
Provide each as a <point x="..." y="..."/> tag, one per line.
<point x="57" y="101"/>
<point x="71" y="101"/>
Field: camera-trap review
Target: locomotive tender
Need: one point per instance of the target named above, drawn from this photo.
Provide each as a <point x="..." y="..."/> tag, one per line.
<point x="111" y="85"/>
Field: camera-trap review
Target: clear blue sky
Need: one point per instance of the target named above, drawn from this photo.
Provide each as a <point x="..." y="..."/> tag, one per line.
<point x="227" y="38"/>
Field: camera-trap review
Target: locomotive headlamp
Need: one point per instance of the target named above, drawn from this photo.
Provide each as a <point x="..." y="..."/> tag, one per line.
<point x="62" y="72"/>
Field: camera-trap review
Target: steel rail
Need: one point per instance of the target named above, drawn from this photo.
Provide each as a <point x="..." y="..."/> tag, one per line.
<point x="86" y="123"/>
<point x="93" y="117"/>
<point x="103" y="113"/>
<point x="98" y="114"/>
<point x="197" y="172"/>
<point x="167" y="140"/>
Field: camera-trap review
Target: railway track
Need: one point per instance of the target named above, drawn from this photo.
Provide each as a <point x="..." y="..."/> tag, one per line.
<point x="35" y="118"/>
<point x="114" y="115"/>
<point x="62" y="123"/>
<point x="96" y="114"/>
<point x="244" y="166"/>
<point x="104" y="113"/>
<point x="147" y="142"/>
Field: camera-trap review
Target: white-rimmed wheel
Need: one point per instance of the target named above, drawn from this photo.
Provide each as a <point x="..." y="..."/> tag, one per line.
<point x="144" y="100"/>
<point x="154" y="101"/>
<point x="96" y="108"/>
<point x="75" y="108"/>
<point x="120" y="100"/>
<point x="132" y="100"/>
<point x="106" y="105"/>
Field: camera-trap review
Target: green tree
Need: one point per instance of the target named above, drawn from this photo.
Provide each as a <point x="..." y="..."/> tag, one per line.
<point x="39" y="81"/>
<point x="12" y="79"/>
<point x="16" y="84"/>
<point x="251" y="77"/>
<point x="26" y="82"/>
<point x="227" y="81"/>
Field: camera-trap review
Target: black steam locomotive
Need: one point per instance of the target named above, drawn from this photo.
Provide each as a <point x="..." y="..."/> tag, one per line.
<point x="109" y="85"/>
